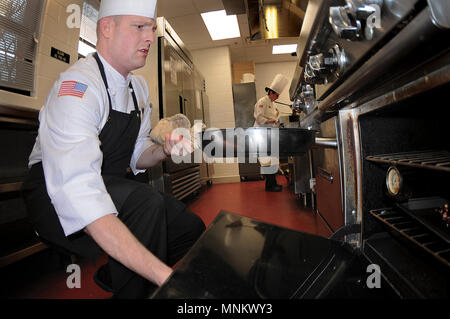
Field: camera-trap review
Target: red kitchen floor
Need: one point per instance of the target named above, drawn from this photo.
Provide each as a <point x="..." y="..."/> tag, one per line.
<point x="42" y="276"/>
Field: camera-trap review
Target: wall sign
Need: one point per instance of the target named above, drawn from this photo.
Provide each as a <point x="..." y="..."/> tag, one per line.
<point x="60" y="55"/>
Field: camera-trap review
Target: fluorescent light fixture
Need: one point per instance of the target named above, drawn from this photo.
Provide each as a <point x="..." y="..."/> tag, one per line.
<point x="220" y="25"/>
<point x="272" y="22"/>
<point x="284" y="49"/>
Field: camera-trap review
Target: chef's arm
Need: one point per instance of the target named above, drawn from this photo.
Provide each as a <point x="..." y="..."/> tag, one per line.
<point x="154" y="154"/>
<point x="118" y="242"/>
<point x="264" y="119"/>
<point x="151" y="156"/>
<point x="270" y="121"/>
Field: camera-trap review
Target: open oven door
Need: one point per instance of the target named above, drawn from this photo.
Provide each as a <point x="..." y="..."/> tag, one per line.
<point x="239" y="257"/>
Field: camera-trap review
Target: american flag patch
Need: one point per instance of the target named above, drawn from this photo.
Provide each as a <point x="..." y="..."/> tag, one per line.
<point x="72" y="88"/>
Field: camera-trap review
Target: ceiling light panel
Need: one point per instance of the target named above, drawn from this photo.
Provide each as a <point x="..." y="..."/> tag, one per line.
<point x="220" y="25"/>
<point x="284" y="49"/>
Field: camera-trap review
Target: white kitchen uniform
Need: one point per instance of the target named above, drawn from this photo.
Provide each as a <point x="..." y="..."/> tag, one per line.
<point x="68" y="142"/>
<point x="265" y="110"/>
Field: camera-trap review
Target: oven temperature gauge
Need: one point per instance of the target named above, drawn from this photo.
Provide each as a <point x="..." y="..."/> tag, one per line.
<point x="394" y="181"/>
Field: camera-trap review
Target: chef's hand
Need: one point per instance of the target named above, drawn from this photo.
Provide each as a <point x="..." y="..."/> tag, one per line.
<point x="177" y="144"/>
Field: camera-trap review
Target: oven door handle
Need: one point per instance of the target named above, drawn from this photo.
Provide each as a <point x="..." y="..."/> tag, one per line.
<point x="325" y="174"/>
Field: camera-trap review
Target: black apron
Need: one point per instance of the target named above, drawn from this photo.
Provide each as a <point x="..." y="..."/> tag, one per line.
<point x="119" y="134"/>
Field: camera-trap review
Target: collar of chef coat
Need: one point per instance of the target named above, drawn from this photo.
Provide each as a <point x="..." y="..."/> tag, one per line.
<point x="118" y="87"/>
<point x="114" y="78"/>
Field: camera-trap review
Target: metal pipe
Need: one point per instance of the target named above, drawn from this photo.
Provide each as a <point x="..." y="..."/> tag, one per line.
<point x="313" y="188"/>
<point x="325" y="142"/>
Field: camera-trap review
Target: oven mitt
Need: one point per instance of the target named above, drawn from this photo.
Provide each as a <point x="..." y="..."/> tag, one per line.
<point x="167" y="125"/>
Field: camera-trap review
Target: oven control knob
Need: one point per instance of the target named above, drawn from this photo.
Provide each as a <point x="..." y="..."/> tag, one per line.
<point x="343" y="24"/>
<point x="339" y="60"/>
<point x="322" y="63"/>
<point x="356" y="20"/>
<point x="308" y="98"/>
<point x="319" y="67"/>
<point x="305" y="101"/>
<point x="322" y="67"/>
<point x="309" y="74"/>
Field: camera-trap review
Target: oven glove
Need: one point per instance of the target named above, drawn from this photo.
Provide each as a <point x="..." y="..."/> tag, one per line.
<point x="167" y="125"/>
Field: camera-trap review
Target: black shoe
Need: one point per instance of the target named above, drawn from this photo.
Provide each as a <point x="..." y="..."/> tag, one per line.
<point x="274" y="188"/>
<point x="102" y="278"/>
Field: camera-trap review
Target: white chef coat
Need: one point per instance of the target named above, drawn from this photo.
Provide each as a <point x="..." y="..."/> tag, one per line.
<point x="68" y="141"/>
<point x="265" y="109"/>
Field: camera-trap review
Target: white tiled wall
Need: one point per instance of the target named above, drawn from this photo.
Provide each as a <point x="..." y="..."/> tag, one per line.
<point x="54" y="32"/>
<point x="215" y="65"/>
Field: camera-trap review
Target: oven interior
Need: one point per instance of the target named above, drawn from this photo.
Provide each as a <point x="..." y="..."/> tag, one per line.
<point x="18" y="131"/>
<point x="403" y="229"/>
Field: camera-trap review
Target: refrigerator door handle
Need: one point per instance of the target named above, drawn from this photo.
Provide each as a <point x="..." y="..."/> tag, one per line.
<point x="181" y="104"/>
<point x="325" y="174"/>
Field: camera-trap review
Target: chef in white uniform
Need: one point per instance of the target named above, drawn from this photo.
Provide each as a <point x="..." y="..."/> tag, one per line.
<point x="94" y="128"/>
<point x="267" y="114"/>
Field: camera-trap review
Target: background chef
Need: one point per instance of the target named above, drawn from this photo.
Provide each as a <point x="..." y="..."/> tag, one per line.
<point x="266" y="114"/>
<point x="93" y="127"/>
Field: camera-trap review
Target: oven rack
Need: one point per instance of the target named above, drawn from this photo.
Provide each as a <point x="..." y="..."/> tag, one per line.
<point x="432" y="159"/>
<point x="414" y="232"/>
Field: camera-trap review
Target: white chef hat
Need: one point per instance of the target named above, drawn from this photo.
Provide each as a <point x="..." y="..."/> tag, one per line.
<point x="278" y="84"/>
<point x="143" y="8"/>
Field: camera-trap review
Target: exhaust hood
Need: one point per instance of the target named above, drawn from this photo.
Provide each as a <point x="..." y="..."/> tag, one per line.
<point x="270" y="19"/>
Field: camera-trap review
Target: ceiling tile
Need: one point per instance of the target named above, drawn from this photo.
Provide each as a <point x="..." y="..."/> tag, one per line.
<point x="173" y="8"/>
<point x="190" y="38"/>
<point x="208" y="5"/>
<point x="200" y="45"/>
<point x="192" y="23"/>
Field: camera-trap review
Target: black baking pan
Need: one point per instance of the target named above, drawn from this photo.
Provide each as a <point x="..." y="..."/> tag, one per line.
<point x="256" y="141"/>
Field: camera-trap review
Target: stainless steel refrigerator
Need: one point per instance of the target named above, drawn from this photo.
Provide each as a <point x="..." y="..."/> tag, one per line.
<point x="244" y="98"/>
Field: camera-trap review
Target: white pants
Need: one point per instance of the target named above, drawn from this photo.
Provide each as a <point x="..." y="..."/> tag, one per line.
<point x="269" y="165"/>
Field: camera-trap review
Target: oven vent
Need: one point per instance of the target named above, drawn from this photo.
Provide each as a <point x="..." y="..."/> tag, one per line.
<point x="184" y="183"/>
<point x="428" y="240"/>
<point x="432" y="159"/>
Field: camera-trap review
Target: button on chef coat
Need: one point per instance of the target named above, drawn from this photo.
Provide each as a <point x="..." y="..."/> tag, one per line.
<point x="69" y="147"/>
<point x="267" y="111"/>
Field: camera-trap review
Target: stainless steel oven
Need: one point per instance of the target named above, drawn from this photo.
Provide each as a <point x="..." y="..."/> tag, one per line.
<point x="385" y="88"/>
<point x="18" y="131"/>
